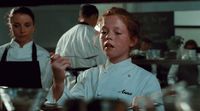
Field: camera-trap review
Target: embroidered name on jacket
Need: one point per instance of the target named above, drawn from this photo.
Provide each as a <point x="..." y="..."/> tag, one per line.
<point x="125" y="92"/>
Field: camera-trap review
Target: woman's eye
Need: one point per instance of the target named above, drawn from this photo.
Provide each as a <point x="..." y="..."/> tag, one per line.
<point x="118" y="33"/>
<point x="103" y="32"/>
<point x="15" y="25"/>
<point x="27" y="25"/>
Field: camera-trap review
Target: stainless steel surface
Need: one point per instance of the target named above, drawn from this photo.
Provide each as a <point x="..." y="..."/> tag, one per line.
<point x="18" y="99"/>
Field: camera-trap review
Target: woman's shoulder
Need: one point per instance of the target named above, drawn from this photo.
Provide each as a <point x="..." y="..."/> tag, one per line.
<point x="42" y="51"/>
<point x="141" y="71"/>
<point x="85" y="28"/>
<point x="140" y="74"/>
<point x="91" y="72"/>
<point x="2" y="47"/>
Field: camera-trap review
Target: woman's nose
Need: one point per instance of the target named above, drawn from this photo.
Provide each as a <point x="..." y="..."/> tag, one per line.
<point x="22" y="29"/>
<point x="108" y="37"/>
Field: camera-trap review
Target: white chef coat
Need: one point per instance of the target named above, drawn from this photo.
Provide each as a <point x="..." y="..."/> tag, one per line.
<point x="123" y="81"/>
<point x="17" y="53"/>
<point x="81" y="41"/>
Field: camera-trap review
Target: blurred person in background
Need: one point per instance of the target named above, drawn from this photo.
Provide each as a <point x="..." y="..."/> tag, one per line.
<point x="144" y="46"/>
<point x="81" y="42"/>
<point x="188" y="73"/>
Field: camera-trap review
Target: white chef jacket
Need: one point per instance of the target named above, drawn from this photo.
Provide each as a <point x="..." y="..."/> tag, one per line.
<point x="81" y="41"/>
<point x="123" y="81"/>
<point x="17" y="53"/>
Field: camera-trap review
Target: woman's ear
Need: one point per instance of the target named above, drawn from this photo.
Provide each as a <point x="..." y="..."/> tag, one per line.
<point x="134" y="41"/>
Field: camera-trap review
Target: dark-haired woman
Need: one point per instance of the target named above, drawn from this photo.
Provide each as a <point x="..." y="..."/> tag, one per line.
<point x="26" y="63"/>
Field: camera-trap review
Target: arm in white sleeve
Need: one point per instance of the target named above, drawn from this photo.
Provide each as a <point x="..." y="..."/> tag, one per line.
<point x="76" y="92"/>
<point x="66" y="94"/>
<point x="47" y="77"/>
<point x="152" y="91"/>
<point x="59" y="47"/>
<point x="46" y="70"/>
<point x="171" y="77"/>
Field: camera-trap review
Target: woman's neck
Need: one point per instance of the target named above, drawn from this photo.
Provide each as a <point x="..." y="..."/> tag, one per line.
<point x="22" y="42"/>
<point x="118" y="59"/>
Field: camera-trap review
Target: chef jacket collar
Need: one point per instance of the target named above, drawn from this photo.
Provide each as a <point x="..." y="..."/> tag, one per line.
<point x="83" y="23"/>
<point x="123" y="63"/>
<point x="13" y="43"/>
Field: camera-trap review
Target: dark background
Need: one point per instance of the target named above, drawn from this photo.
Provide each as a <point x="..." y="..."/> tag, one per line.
<point x="157" y="26"/>
<point x="10" y="3"/>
